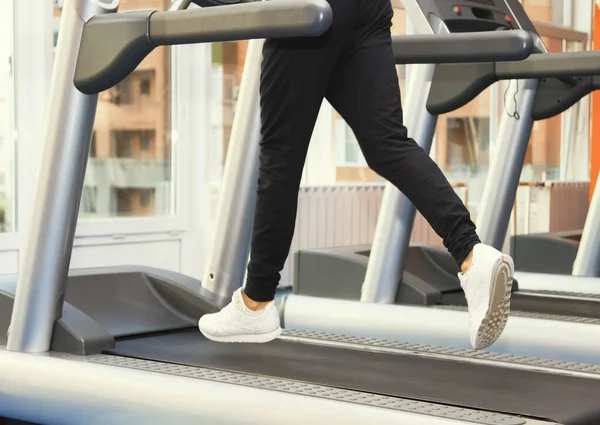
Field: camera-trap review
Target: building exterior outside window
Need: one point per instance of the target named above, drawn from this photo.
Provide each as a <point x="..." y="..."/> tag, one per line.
<point x="129" y="169"/>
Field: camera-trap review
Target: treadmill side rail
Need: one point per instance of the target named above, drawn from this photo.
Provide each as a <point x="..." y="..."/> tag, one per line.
<point x="572" y="340"/>
<point x="108" y="389"/>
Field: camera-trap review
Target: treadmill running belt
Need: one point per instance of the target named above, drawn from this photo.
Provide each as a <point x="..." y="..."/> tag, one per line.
<point x="564" y="399"/>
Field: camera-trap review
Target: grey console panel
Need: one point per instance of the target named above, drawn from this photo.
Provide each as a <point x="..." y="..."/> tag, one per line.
<point x="559" y="251"/>
<point x="339" y="272"/>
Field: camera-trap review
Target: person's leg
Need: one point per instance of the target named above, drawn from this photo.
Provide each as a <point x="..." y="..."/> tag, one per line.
<point x="366" y="93"/>
<point x="295" y="75"/>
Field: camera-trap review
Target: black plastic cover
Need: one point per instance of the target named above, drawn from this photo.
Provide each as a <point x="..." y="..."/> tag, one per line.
<point x="455" y="85"/>
<point x="554" y="96"/>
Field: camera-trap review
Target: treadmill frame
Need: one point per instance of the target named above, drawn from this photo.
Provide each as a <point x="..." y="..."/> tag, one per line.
<point x="55" y="389"/>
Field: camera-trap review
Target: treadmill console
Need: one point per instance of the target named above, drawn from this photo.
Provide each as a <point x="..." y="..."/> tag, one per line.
<point x="474" y="15"/>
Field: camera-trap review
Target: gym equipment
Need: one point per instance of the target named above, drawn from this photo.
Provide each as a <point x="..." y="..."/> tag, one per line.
<point x="120" y="345"/>
<point x="145" y="360"/>
<point x="391" y="271"/>
<point x="574" y="252"/>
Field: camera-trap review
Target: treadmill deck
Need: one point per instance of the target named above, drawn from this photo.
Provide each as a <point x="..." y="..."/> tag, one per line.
<point x="568" y="400"/>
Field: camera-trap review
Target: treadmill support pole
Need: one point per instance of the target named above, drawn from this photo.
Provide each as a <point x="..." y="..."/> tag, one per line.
<point x="503" y="177"/>
<point x="397" y="213"/>
<point x="227" y="259"/>
<point x="587" y="261"/>
<point x="44" y="267"/>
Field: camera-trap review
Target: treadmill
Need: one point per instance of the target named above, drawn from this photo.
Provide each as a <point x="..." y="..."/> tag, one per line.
<point x="574" y="252"/>
<point x="390" y="271"/>
<point x="121" y="345"/>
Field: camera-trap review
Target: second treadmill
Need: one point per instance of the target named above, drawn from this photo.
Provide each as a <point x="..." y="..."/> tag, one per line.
<point x="371" y="273"/>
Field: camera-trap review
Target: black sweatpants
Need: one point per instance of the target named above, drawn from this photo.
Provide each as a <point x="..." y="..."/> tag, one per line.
<point x="352" y="66"/>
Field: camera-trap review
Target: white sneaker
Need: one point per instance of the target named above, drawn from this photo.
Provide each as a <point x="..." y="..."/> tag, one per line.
<point x="487" y="286"/>
<point x="237" y="323"/>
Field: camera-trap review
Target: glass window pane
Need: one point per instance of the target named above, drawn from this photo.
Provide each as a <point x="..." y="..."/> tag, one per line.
<point x="129" y="171"/>
<point x="7" y="141"/>
<point x="551" y="11"/>
<point x="462" y="147"/>
<point x="226" y="74"/>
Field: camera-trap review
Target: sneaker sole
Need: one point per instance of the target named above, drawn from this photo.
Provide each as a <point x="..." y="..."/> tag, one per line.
<point x="249" y="339"/>
<point x="496" y="317"/>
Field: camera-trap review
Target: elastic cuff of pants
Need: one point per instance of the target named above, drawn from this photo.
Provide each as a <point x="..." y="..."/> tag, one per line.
<point x="466" y="247"/>
<point x="260" y="293"/>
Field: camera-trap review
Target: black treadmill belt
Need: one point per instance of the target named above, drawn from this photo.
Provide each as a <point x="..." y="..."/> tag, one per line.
<point x="564" y="399"/>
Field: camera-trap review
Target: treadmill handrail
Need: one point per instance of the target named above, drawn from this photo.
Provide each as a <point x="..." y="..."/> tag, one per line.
<point x="113" y="45"/>
<point x="547" y="65"/>
<point x="244" y="21"/>
<point x="466" y="47"/>
<point x="454" y="85"/>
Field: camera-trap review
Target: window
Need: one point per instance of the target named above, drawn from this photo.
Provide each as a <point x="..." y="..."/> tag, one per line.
<point x="131" y="147"/>
<point x="347" y="147"/>
<point x="89" y="207"/>
<point x="134" y="202"/>
<point x="145" y="87"/>
<point x="145" y="197"/>
<point x="551" y="151"/>
<point x="93" y="145"/>
<point x="56" y="26"/>
<point x="351" y="166"/>
<point x="468" y="140"/>
<point x="145" y="140"/>
<point x="7" y="139"/>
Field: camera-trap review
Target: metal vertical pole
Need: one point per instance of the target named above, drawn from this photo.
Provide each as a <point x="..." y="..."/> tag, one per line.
<point x="397" y="214"/>
<point x="504" y="174"/>
<point x="587" y="261"/>
<point x="229" y="255"/>
<point x="180" y="5"/>
<point x="69" y="124"/>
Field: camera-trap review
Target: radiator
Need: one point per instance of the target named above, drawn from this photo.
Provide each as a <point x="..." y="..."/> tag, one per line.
<point x="343" y="215"/>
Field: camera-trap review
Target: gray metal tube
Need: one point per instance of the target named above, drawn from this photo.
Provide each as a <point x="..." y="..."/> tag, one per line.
<point x="69" y="124"/>
<point x="539" y="336"/>
<point x="504" y="174"/>
<point x="73" y="391"/>
<point x="271" y="19"/>
<point x="587" y="261"/>
<point x="462" y="47"/>
<point x="228" y="257"/>
<point x="397" y="213"/>
<point x="566" y="64"/>
<point x="180" y="5"/>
